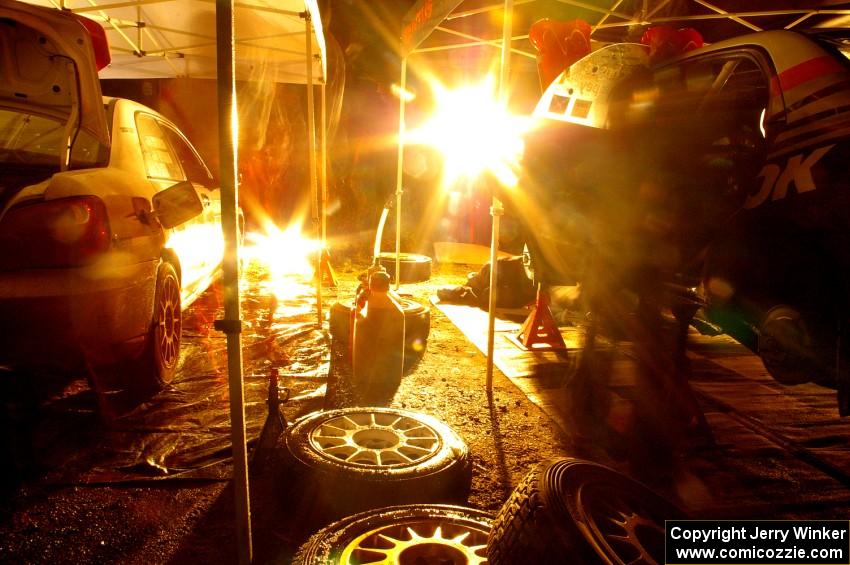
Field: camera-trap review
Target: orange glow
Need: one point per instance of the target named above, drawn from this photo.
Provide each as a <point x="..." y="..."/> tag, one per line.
<point x="475" y="133"/>
<point x="400" y="92"/>
<point x="199" y="247"/>
<point x="287" y="256"/>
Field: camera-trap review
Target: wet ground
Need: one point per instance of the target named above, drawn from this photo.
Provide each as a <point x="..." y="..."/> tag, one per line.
<point x="151" y="486"/>
<point x="183" y="431"/>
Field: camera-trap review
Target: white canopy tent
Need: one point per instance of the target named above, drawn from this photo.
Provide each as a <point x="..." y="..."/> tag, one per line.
<point x="225" y="40"/>
<point x="177" y="38"/>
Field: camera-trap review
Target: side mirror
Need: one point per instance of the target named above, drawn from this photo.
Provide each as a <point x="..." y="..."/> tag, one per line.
<point x="177" y="204"/>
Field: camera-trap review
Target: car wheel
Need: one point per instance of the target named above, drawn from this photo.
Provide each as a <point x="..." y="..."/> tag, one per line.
<point x="417" y="323"/>
<point x="413" y="268"/>
<point x="352" y="459"/>
<point x="432" y="533"/>
<point x="123" y="383"/>
<point x="581" y="512"/>
<point x="162" y="349"/>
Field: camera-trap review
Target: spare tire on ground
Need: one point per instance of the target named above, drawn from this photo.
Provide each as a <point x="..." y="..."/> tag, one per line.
<point x="417" y="323"/>
<point x="574" y="511"/>
<point x="413" y="268"/>
<point x="420" y="533"/>
<point x="352" y="459"/>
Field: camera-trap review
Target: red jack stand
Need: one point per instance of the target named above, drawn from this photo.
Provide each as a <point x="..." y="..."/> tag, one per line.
<point x="539" y="331"/>
<point x="325" y="270"/>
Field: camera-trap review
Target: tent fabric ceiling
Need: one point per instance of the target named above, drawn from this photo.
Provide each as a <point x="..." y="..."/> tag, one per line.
<point x="177" y="38"/>
<point x="472" y="21"/>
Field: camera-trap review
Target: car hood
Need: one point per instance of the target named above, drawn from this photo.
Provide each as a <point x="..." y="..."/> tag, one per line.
<point x="48" y="66"/>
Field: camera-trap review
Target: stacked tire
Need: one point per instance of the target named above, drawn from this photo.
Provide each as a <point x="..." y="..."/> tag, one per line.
<point x="413" y="267"/>
<point x="564" y="511"/>
<point x="340" y="462"/>
<point x="424" y="533"/>
<point x="417" y="324"/>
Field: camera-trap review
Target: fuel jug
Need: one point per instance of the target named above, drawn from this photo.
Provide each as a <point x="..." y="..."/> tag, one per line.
<point x="378" y="341"/>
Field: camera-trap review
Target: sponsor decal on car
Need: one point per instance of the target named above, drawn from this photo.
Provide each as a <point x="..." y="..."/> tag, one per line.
<point x="776" y="180"/>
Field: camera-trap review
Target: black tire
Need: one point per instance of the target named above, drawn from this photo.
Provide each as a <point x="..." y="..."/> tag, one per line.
<point x="417" y="323"/>
<point x="563" y="512"/>
<point x="162" y="348"/>
<point x="413" y="268"/>
<point x="353" y="459"/>
<point x="446" y="534"/>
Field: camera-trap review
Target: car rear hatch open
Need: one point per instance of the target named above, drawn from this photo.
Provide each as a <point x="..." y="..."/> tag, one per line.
<point x="48" y="69"/>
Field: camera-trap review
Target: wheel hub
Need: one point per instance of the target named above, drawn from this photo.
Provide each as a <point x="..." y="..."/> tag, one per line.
<point x="168" y="323"/>
<point x="622" y="524"/>
<point x="424" y="542"/>
<point x="432" y="552"/>
<point x="375" y="439"/>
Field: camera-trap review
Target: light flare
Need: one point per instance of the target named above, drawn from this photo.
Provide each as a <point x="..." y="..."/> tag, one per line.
<point x="402" y="93"/>
<point x="475" y="134"/>
<point x="286" y="254"/>
<point x="234" y="125"/>
<point x="199" y="247"/>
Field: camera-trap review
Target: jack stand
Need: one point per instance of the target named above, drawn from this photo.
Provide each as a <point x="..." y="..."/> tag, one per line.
<point x="539" y="331"/>
<point x="325" y="270"/>
<point x="275" y="421"/>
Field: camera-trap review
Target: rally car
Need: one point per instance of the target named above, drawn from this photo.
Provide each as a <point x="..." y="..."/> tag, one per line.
<point x="718" y="176"/>
<point x="109" y="219"/>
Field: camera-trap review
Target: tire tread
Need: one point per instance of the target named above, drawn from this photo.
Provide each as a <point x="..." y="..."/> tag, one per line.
<point x="524" y="530"/>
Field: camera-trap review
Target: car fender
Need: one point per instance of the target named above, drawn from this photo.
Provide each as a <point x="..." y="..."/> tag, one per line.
<point x="117" y="190"/>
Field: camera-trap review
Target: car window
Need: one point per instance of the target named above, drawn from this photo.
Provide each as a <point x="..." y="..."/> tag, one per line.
<point x="714" y="97"/>
<point x="737" y="98"/>
<point x="87" y="152"/>
<point x="193" y="167"/>
<point x="160" y="160"/>
<point x="30" y="139"/>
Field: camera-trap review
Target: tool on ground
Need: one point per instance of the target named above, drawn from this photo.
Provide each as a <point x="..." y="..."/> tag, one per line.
<point x="275" y="422"/>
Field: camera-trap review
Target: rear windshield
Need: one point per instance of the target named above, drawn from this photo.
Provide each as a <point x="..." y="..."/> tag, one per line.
<point x="34" y="139"/>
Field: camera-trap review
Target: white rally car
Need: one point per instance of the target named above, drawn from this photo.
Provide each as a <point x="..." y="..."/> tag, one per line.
<point x="109" y="220"/>
<point x="719" y="174"/>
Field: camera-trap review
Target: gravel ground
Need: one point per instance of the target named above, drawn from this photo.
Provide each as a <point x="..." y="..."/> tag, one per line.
<point x="183" y="522"/>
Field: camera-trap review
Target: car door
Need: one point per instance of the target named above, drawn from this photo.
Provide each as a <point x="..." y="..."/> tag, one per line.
<point x="709" y="142"/>
<point x="205" y="230"/>
<point x="198" y="243"/>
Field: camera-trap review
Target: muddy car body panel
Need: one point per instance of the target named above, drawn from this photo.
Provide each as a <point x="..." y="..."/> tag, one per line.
<point x="724" y="170"/>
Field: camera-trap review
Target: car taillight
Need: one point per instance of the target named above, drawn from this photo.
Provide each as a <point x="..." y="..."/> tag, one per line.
<point x="68" y="232"/>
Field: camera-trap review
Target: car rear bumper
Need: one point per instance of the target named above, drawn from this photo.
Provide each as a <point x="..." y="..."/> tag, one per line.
<point x="63" y="317"/>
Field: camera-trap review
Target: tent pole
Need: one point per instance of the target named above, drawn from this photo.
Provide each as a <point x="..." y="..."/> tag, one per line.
<point x="399" y="170"/>
<point x="231" y="325"/>
<point x="496" y="209"/>
<point x="324" y="170"/>
<point x="311" y="153"/>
